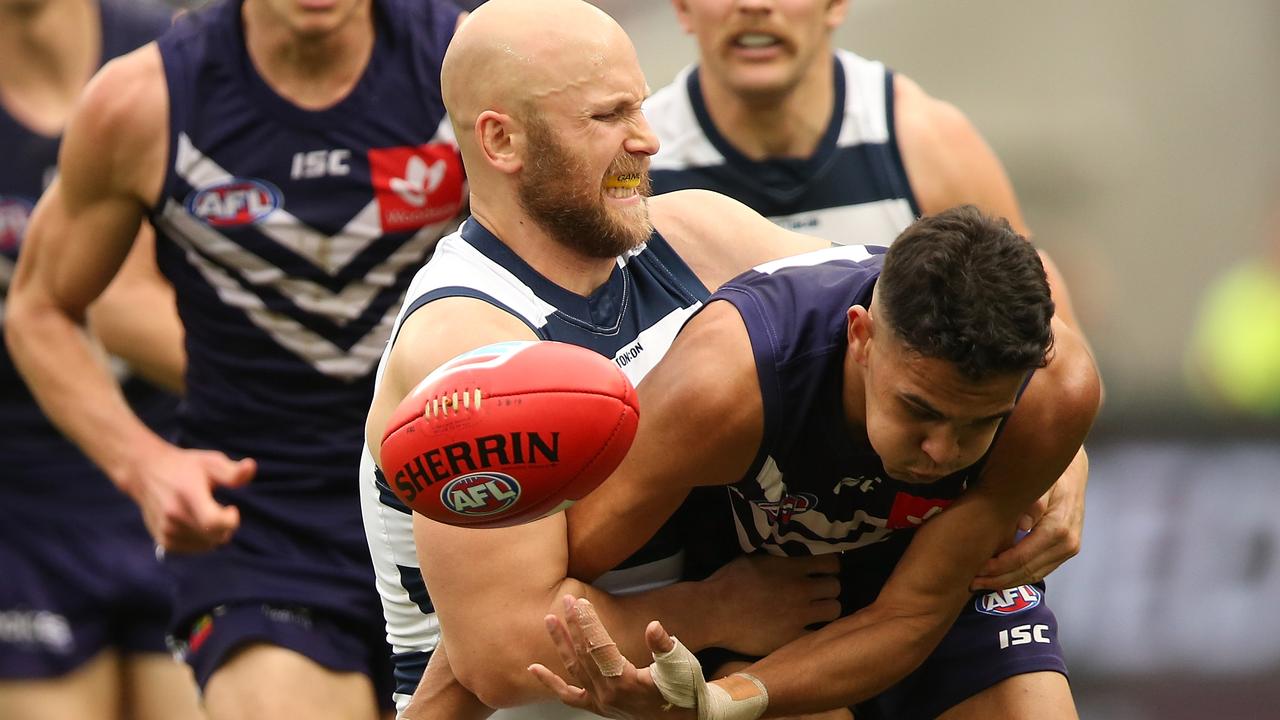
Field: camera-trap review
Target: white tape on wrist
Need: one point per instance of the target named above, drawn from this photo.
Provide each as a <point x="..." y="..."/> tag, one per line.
<point x="678" y="675"/>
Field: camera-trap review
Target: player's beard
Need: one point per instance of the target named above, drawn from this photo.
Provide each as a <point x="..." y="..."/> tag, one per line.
<point x="554" y="191"/>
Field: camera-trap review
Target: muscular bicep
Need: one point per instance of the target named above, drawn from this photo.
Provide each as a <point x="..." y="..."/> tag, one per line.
<point x="427" y="339"/>
<point x="700" y="424"/>
<point x="111" y="158"/>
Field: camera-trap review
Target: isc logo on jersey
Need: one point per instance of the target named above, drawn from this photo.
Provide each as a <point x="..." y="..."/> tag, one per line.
<point x="14" y="213"/>
<point x="1008" y="602"/>
<point x="480" y="494"/>
<point x="238" y="201"/>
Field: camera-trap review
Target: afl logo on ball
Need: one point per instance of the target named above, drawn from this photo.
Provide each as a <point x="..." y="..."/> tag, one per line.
<point x="480" y="494"/>
<point x="1008" y="602"/>
<point x="238" y="201"/>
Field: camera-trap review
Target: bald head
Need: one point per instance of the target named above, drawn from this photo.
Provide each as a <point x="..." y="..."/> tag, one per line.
<point x="512" y="56"/>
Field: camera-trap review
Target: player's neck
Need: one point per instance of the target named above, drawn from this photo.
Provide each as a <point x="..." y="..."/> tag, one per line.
<point x="571" y="270"/>
<point x="790" y="123"/>
<point x="313" y="72"/>
<point x="48" y="52"/>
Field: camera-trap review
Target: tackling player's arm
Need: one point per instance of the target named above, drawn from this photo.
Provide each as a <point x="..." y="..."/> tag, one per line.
<point x="111" y="163"/>
<point x="858" y="656"/>
<point x="491" y="606"/>
<point x="719" y="237"/>
<point x="700" y="406"/>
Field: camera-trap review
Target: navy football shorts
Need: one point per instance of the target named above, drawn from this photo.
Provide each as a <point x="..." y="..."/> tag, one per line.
<point x="69" y="590"/>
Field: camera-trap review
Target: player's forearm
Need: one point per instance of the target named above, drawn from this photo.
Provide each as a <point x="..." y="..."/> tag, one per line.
<point x="73" y="385"/>
<point x="439" y="695"/>
<point x="687" y="610"/>
<point x="848" y="661"/>
<point x="491" y="660"/>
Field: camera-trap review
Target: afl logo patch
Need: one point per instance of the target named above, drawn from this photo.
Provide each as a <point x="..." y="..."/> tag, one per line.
<point x="238" y="201"/>
<point x="480" y="494"/>
<point x="14" y="213"/>
<point x="1008" y="602"/>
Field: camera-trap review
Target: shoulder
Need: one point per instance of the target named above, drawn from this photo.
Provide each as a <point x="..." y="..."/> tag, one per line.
<point x="948" y="163"/>
<point x="1064" y="395"/>
<point x="720" y="237"/>
<point x="121" y="120"/>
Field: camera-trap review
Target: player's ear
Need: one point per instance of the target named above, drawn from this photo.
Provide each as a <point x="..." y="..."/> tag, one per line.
<point x="682" y="15"/>
<point x="836" y="10"/>
<point x="860" y="330"/>
<point x="497" y="138"/>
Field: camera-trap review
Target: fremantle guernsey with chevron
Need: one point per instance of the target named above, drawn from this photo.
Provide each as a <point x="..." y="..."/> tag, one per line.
<point x="632" y="319"/>
<point x="291" y="236"/>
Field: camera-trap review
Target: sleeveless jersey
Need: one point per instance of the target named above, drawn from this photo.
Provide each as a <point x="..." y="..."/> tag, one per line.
<point x="291" y="236"/>
<point x="633" y="319"/>
<point x="852" y="190"/>
<point x="41" y="472"/>
<point x="812" y="488"/>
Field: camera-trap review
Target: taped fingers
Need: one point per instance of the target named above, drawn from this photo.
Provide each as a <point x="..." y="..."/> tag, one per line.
<point x="600" y="646"/>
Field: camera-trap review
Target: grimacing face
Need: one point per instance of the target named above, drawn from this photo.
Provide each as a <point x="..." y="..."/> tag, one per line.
<point x="562" y="191"/>
<point x="761" y="47"/>
<point x="586" y="162"/>
<point x="923" y="417"/>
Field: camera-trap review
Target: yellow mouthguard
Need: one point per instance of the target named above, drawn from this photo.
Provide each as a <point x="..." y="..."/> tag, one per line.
<point x="630" y="181"/>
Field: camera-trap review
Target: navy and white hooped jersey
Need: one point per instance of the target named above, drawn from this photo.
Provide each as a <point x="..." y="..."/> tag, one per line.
<point x="292" y="235"/>
<point x="813" y="488"/>
<point x="41" y="472"/>
<point x="852" y="190"/>
<point x="633" y="319"/>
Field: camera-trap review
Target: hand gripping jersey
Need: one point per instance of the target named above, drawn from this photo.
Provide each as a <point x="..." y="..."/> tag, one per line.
<point x="632" y="318"/>
<point x="853" y="189"/>
<point x="41" y="472"/>
<point x="291" y="236"/>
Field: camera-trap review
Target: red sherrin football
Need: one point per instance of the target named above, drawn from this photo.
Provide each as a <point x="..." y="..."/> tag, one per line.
<point x="509" y="433"/>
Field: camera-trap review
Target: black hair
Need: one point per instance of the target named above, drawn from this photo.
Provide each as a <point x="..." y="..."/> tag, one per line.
<point x="963" y="287"/>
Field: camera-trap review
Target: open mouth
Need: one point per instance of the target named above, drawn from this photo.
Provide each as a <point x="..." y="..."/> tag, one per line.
<point x="755" y="41"/>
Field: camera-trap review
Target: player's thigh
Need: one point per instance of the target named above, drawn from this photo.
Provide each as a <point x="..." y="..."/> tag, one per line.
<point x="91" y="691"/>
<point x="1037" y="695"/>
<point x="158" y="687"/>
<point x="266" y="682"/>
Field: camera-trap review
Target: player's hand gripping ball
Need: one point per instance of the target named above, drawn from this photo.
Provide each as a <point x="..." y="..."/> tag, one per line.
<point x="509" y="433"/>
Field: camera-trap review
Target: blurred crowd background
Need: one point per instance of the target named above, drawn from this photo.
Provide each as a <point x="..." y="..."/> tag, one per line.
<point x="1143" y="139"/>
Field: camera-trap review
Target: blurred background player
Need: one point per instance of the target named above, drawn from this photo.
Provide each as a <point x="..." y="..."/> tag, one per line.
<point x="560" y="246"/>
<point x="84" y="602"/>
<point x="294" y="202"/>
<point x="830" y="144"/>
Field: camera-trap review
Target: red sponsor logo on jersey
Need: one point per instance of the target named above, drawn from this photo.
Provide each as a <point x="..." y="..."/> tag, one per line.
<point x="416" y="186"/>
<point x="911" y="511"/>
<point x="14" y="213"/>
